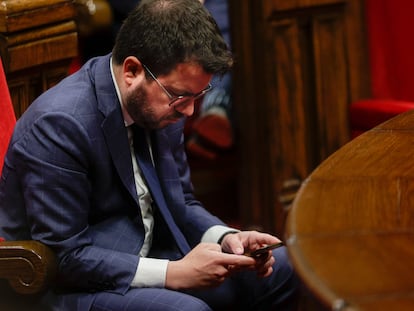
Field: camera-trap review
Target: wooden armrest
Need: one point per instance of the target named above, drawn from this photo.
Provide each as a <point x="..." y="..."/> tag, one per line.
<point x="29" y="266"/>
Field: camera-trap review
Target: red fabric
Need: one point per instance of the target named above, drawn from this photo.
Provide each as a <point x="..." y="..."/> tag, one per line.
<point x="7" y="117"/>
<point x="366" y="114"/>
<point x="391" y="48"/>
<point x="75" y="65"/>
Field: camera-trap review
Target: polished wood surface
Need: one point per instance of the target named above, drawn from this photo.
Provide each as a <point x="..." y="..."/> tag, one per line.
<point x="350" y="232"/>
<point x="38" y="40"/>
<point x="17" y="15"/>
<point x="29" y="266"/>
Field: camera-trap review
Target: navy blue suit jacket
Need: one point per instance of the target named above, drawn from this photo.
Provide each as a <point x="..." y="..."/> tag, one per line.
<point x="68" y="182"/>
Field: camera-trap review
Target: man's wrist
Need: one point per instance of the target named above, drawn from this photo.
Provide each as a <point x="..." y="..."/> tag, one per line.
<point x="214" y="233"/>
<point x="151" y="272"/>
<point x="220" y="240"/>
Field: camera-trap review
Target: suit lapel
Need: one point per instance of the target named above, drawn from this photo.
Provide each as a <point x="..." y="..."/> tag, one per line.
<point x="117" y="140"/>
<point x="113" y="125"/>
<point x="158" y="196"/>
<point x="118" y="145"/>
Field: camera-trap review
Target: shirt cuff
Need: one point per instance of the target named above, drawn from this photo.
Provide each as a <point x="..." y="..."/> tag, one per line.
<point x="213" y="234"/>
<point x="151" y="272"/>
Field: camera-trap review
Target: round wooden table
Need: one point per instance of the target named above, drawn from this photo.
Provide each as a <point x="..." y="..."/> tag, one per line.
<point x="350" y="232"/>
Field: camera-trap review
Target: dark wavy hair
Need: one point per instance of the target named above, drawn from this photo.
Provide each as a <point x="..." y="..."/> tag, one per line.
<point x="164" y="33"/>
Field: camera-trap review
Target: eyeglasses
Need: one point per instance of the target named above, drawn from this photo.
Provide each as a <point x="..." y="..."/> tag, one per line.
<point x="180" y="100"/>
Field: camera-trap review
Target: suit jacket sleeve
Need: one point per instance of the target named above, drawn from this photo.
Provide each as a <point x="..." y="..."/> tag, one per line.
<point x="175" y="175"/>
<point x="56" y="168"/>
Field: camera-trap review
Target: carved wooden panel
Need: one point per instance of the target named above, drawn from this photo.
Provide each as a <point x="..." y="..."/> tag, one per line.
<point x="300" y="64"/>
<point x="38" y="40"/>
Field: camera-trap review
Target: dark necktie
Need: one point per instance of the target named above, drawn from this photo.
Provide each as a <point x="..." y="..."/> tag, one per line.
<point x="148" y="170"/>
<point x="142" y="150"/>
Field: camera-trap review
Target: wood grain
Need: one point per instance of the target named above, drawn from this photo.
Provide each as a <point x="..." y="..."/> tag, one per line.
<point x="350" y="232"/>
<point x="29" y="266"/>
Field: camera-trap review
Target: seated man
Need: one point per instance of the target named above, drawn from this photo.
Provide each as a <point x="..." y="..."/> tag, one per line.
<point x="96" y="170"/>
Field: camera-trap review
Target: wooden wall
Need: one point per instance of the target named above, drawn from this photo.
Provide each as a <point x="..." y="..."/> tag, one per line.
<point x="38" y="40"/>
<point x="300" y="63"/>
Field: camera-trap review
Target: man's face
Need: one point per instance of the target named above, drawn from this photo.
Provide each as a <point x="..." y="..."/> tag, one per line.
<point x="148" y="103"/>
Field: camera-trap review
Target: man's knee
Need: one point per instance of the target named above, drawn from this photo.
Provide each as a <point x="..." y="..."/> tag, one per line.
<point x="149" y="299"/>
<point x="288" y="283"/>
<point x="282" y="264"/>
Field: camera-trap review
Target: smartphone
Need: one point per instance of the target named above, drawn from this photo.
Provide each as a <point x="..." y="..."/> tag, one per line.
<point x="264" y="249"/>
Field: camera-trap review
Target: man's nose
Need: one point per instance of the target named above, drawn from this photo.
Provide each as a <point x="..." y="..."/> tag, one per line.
<point x="186" y="108"/>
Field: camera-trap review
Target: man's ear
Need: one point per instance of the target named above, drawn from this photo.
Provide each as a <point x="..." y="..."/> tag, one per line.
<point x="132" y="69"/>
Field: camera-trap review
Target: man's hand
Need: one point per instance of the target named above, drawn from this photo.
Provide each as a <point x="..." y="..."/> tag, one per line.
<point x="248" y="241"/>
<point x="205" y="266"/>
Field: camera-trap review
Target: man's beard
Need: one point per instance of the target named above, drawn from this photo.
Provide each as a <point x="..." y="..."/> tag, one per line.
<point x="142" y="112"/>
<point x="139" y="110"/>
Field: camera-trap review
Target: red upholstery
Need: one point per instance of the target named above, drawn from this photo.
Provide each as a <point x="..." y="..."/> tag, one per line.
<point x="391" y="50"/>
<point x="7" y="117"/>
<point x="366" y="114"/>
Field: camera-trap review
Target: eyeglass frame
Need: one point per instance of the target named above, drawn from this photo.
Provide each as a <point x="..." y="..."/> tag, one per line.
<point x="173" y="98"/>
